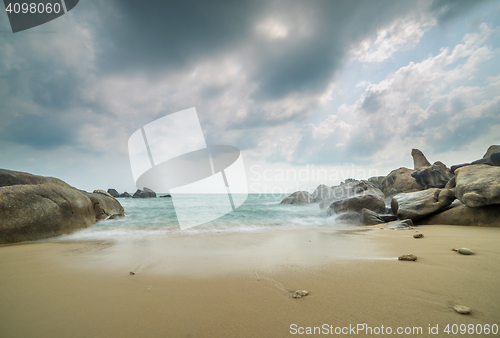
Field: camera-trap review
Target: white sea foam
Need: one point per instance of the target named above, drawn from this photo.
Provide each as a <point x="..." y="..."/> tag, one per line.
<point x="156" y="217"/>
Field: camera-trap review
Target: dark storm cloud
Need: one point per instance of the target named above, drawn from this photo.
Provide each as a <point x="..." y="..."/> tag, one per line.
<point x="153" y="37"/>
<point x="447" y="10"/>
<point x="39" y="132"/>
<point x="169" y="35"/>
<point x="38" y="103"/>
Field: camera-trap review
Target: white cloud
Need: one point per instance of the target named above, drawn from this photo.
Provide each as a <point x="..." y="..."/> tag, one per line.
<point x="402" y="34"/>
<point x="429" y="105"/>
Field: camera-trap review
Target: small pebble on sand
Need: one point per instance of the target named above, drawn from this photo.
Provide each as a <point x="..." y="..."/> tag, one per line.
<point x="465" y="310"/>
<point x="409" y="257"/>
<point x="465" y="251"/>
<point x="132" y="272"/>
<point x="418" y="236"/>
<point x="300" y="293"/>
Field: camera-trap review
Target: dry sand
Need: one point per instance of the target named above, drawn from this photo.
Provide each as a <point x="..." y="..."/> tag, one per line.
<point x="239" y="285"/>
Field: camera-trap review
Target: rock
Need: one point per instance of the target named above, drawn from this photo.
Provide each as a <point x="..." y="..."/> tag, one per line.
<point x="434" y="176"/>
<point x="377" y="181"/>
<point x="300" y="293"/>
<point x="35" y="207"/>
<point x="465" y="251"/>
<point x="147" y="193"/>
<point x="357" y="203"/>
<point x="168" y="195"/>
<point x="348" y="189"/>
<point x="478" y="185"/>
<point x="298" y="197"/>
<point x="452" y="183"/>
<point x="132" y="273"/>
<point x="104" y="204"/>
<point x="32" y="212"/>
<point x="369" y="217"/>
<point x="460" y="214"/>
<point x="388" y="217"/>
<point x="10" y="177"/>
<point x="462" y="309"/>
<point x="409" y="257"/>
<point x="492" y="158"/>
<point x="144" y="193"/>
<point x="113" y="193"/>
<point x="125" y="194"/>
<point x="102" y="192"/>
<point x="415" y="205"/>
<point x="321" y="192"/>
<point x="493" y="155"/>
<point x="405" y="224"/>
<point x="418" y="236"/>
<point x="419" y="160"/>
<point x="398" y="181"/>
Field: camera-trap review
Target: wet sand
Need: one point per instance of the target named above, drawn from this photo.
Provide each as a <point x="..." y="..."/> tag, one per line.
<point x="240" y="285"/>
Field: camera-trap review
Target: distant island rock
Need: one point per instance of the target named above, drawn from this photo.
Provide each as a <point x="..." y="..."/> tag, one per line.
<point x="35" y="207"/>
<point x="144" y="193"/>
<point x="113" y="193"/>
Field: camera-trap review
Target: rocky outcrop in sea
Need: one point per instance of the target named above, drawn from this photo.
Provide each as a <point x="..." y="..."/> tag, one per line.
<point x="465" y="194"/>
<point x="35" y="207"/>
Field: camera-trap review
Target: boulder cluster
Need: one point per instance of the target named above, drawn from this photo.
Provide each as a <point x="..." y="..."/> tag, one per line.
<point x="35" y="207"/>
<point x="144" y="193"/>
<point x="465" y="194"/>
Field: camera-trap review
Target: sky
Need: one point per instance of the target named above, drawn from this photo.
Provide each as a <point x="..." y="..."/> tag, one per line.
<point x="310" y="91"/>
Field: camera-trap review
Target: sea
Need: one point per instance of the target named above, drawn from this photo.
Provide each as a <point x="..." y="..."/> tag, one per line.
<point x="153" y="217"/>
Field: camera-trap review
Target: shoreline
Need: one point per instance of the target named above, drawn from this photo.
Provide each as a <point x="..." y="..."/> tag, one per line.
<point x="238" y="285"/>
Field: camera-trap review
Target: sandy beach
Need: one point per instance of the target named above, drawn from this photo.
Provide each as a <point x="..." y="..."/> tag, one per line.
<point x="240" y="284"/>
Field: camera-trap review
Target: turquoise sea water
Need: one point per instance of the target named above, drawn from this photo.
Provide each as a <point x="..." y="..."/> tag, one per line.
<point x="157" y="217"/>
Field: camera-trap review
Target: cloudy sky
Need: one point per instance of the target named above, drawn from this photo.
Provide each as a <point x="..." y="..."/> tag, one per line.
<point x="301" y="87"/>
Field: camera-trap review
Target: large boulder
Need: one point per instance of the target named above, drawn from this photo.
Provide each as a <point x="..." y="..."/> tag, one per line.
<point x="31" y="212"/>
<point x="321" y="192"/>
<point x="102" y="192"/>
<point x="357" y="203"/>
<point x="461" y="214"/>
<point x="298" y="197"/>
<point x="398" y="181"/>
<point x="434" y="176"/>
<point x="376" y="181"/>
<point x="491" y="157"/>
<point x="34" y="207"/>
<point x="348" y="189"/>
<point x="369" y="217"/>
<point x="478" y="185"/>
<point x="415" y="205"/>
<point x="104" y="205"/>
<point x="11" y="177"/>
<point x="419" y="160"/>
